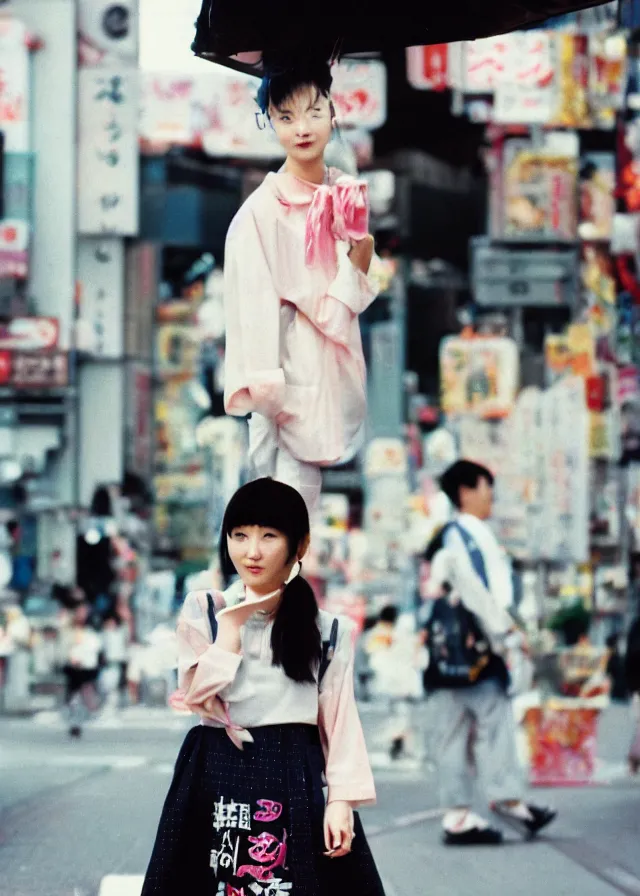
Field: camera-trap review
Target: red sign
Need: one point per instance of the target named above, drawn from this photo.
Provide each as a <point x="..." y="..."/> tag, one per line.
<point x="29" y="334"/>
<point x="14" y="249"/>
<point x="427" y="67"/>
<point x="25" y="370"/>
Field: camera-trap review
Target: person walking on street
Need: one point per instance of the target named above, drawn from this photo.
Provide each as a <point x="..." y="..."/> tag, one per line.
<point x="81" y="649"/>
<point x="467" y="677"/>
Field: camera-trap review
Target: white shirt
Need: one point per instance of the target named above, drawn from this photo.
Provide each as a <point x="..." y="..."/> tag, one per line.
<point x="490" y="604"/>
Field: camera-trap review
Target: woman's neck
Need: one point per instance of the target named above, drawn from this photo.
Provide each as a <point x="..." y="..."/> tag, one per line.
<point x="313" y="172"/>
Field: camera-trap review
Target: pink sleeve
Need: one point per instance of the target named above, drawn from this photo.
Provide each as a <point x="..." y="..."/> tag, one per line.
<point x="348" y="770"/>
<point x="348" y="295"/>
<point x="203" y="668"/>
<point x="253" y="373"/>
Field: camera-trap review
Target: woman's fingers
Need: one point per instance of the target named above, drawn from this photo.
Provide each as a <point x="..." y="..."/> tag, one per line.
<point x="340" y="843"/>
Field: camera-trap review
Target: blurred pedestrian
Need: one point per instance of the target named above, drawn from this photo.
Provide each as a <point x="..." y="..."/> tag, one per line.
<point x="470" y="626"/>
<point x="296" y="262"/>
<point x="632" y="670"/>
<point x="271" y="677"/>
<point x="615" y="669"/>
<point x="113" y="675"/>
<point x="81" y="648"/>
<point x="397" y="666"/>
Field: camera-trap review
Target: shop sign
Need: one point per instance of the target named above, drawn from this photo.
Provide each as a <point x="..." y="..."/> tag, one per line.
<point x="565" y="501"/>
<point x="26" y="370"/>
<point x="427" y="67"/>
<point x="14" y="249"/>
<point x="101" y="281"/>
<point x="359" y="93"/>
<point x="522" y="59"/>
<point x="218" y="112"/>
<point x="108" y="158"/>
<point x="15" y="101"/>
<point x="29" y="334"/>
<point x="478" y="376"/>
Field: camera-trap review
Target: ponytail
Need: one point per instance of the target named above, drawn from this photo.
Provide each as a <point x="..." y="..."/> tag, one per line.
<point x="296" y="641"/>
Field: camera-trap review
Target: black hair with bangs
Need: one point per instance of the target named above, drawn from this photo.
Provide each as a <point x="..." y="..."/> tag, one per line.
<point x="284" y="77"/>
<point x="296" y="640"/>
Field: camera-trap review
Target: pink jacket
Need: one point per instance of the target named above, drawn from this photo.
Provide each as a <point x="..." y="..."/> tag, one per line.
<point x="214" y="684"/>
<point x="292" y="300"/>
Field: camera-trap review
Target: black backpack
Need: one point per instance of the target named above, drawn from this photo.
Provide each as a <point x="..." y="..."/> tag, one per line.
<point x="328" y="647"/>
<point x="460" y="653"/>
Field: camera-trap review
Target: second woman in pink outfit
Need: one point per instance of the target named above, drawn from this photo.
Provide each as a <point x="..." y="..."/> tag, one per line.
<point x="296" y="268"/>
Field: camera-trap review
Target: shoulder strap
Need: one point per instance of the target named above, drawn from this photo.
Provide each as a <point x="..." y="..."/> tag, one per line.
<point x="475" y="554"/>
<point x="211" y="613"/>
<point x="328" y="649"/>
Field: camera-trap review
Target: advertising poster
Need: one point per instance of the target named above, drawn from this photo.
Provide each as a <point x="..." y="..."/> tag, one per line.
<point x="572" y="352"/>
<point x="479" y="376"/>
<point x="539" y="192"/>
<point x="597" y="203"/>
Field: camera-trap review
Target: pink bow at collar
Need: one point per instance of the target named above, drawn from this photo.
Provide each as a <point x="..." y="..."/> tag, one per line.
<point x="338" y="212"/>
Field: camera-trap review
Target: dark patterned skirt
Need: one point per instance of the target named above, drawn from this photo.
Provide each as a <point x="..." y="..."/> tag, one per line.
<point x="250" y="822"/>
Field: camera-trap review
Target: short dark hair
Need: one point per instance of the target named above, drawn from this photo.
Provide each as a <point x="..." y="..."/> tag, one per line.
<point x="389" y="613"/>
<point x="286" y="76"/>
<point x="463" y="474"/>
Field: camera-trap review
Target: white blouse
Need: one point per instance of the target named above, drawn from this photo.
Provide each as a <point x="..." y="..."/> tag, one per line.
<point x="251" y="692"/>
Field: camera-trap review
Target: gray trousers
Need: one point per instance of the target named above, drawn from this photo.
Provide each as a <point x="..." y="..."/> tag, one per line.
<point x="475" y="737"/>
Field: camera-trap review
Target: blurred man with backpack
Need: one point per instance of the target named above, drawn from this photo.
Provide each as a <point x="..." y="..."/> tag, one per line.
<point x="468" y="632"/>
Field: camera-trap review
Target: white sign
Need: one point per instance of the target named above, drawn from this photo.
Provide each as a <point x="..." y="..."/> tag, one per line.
<point x="566" y="481"/>
<point x="107" y="32"/>
<point x="101" y="282"/>
<point x="108" y="158"/>
<point x="217" y="111"/>
<point x="359" y="93"/>
<point x="524" y="58"/>
<point x="15" y="100"/>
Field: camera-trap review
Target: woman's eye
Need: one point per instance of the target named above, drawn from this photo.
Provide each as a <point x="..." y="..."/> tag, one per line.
<point x="270" y="535"/>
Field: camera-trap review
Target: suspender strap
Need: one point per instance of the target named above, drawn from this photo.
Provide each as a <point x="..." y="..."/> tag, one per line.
<point x="328" y="650"/>
<point x="211" y="613"/>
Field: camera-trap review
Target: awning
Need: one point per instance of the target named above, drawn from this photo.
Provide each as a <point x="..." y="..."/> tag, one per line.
<point x="238" y="34"/>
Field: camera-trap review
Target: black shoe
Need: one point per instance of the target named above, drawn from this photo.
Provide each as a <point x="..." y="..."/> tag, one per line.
<point x="75" y="731"/>
<point x="541" y="817"/>
<point x="473" y="837"/>
<point x="397" y="748"/>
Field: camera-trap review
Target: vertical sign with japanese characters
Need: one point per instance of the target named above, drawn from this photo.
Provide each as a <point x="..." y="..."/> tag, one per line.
<point x="14" y="85"/>
<point x="108" y="160"/>
<point x="101" y="282"/>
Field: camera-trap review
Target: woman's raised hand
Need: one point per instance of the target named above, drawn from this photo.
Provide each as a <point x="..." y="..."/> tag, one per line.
<point x="361" y="253"/>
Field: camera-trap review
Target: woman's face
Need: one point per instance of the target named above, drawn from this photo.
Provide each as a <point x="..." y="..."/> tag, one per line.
<point x="261" y="557"/>
<point x="303" y="124"/>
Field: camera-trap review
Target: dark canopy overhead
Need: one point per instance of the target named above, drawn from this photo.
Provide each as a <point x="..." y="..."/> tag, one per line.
<point x="227" y="28"/>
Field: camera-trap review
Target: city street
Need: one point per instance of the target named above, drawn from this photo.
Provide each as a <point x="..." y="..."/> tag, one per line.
<point x="78" y="818"/>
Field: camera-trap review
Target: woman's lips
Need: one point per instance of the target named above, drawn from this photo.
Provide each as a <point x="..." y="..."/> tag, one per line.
<point x="255" y="570"/>
<point x="305" y="145"/>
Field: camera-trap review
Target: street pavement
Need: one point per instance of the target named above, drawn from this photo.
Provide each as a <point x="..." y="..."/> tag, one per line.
<point x="78" y="818"/>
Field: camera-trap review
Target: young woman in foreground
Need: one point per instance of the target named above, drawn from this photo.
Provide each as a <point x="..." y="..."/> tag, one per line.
<point x="246" y="813"/>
